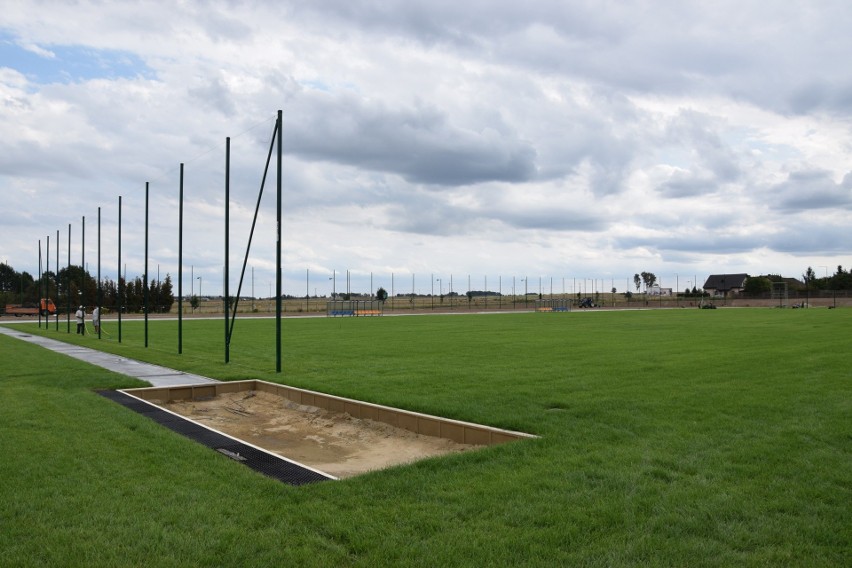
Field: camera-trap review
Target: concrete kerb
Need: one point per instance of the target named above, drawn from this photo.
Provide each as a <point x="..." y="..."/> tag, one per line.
<point x="155" y="375"/>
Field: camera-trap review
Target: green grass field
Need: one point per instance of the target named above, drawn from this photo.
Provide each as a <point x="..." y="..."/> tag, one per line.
<point x="668" y="438"/>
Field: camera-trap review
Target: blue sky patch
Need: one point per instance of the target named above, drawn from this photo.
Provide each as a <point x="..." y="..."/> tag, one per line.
<point x="69" y="63"/>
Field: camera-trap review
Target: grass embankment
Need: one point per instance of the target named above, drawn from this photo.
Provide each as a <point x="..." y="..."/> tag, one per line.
<point x="688" y="437"/>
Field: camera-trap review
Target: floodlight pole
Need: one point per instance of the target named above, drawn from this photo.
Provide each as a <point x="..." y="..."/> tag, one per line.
<point x="486" y="291"/>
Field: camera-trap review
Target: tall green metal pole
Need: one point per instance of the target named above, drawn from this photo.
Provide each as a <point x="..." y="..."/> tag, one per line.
<point x="46" y="281"/>
<point x="180" y="264"/>
<point x="57" y="278"/>
<point x="227" y="243"/>
<point x="83" y="270"/>
<point x="120" y="286"/>
<point x="38" y="288"/>
<point x="279" y="126"/>
<point x="100" y="289"/>
<point x="68" y="284"/>
<point x="145" y="284"/>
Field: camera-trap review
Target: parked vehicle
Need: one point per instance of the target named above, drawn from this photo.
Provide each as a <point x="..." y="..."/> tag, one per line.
<point x="46" y="307"/>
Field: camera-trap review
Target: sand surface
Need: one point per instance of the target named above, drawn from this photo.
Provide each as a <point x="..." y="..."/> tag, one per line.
<point x="332" y="442"/>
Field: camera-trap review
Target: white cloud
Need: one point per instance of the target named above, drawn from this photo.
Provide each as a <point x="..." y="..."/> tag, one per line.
<point x="41" y="52"/>
<point x="555" y="138"/>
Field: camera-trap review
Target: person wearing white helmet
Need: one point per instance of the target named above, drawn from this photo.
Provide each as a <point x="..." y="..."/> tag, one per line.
<point x="81" y="320"/>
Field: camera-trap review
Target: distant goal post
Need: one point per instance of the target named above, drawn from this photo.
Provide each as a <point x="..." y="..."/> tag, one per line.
<point x="780" y="293"/>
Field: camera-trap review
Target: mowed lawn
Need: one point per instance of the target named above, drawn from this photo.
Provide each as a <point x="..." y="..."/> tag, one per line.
<point x="667" y="438"/>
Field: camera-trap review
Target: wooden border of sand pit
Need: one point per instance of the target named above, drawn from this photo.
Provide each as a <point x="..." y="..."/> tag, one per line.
<point x="419" y="423"/>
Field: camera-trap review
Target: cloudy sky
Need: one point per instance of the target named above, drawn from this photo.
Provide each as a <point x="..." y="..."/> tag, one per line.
<point x="562" y="140"/>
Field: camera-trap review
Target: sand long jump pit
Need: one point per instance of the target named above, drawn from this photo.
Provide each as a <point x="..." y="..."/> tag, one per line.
<point x="300" y="436"/>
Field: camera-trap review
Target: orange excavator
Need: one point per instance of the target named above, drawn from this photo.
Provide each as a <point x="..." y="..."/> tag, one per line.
<point x="46" y="307"/>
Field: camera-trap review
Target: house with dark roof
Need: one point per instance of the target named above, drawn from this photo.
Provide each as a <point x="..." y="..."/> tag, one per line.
<point x="725" y="284"/>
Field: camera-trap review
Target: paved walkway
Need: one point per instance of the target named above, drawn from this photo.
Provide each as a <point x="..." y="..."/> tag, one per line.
<point x="154" y="374"/>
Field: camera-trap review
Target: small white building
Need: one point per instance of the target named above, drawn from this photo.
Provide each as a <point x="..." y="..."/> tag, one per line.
<point x="656" y="290"/>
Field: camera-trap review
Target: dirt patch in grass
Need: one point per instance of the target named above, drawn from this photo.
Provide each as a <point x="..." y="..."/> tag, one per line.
<point x="332" y="442"/>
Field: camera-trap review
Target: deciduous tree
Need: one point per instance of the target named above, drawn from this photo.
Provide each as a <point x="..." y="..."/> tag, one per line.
<point x="381" y="294"/>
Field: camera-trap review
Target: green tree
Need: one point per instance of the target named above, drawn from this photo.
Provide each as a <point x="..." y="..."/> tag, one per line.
<point x="842" y="280"/>
<point x="134" y="295"/>
<point x="77" y="283"/>
<point x="109" y="294"/>
<point x="757" y="285"/>
<point x="160" y="296"/>
<point x="637" y="281"/>
<point x="649" y="279"/>
<point x="11" y="285"/>
<point x="381" y="294"/>
<point x="809" y="277"/>
<point x="46" y="286"/>
<point x="9" y="279"/>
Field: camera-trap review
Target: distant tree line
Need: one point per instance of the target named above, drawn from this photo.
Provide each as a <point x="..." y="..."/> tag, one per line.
<point x="74" y="286"/>
<point x="475" y="293"/>
<point x="761" y="285"/>
<point x="840" y="280"/>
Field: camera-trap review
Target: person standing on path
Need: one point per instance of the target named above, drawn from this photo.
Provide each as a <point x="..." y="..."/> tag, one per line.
<point x="81" y="320"/>
<point x="96" y="319"/>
